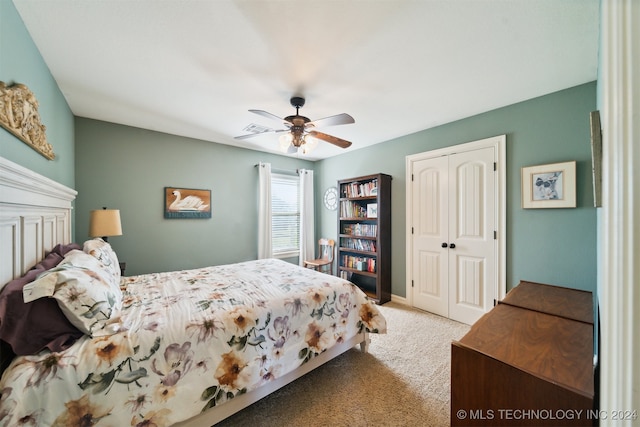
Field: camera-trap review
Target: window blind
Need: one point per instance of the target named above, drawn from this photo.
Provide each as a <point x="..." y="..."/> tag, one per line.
<point x="285" y="212"/>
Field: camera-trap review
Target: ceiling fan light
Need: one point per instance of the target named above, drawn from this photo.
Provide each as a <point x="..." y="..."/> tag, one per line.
<point x="285" y="142"/>
<point x="310" y="144"/>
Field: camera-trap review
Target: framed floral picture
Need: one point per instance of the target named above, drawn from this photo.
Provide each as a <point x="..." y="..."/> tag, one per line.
<point x="549" y="186"/>
<point x="186" y="203"/>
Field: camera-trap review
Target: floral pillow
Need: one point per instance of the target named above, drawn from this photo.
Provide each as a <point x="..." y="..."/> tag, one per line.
<point x="87" y="292"/>
<point x="29" y="328"/>
<point x="103" y="251"/>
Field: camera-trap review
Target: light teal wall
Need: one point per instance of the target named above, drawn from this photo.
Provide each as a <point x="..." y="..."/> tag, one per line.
<point x="556" y="246"/>
<point x="127" y="168"/>
<point x="20" y="62"/>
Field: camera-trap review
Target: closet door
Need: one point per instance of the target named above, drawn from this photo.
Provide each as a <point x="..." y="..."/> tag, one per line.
<point x="430" y="231"/>
<point x="453" y="223"/>
<point x="471" y="245"/>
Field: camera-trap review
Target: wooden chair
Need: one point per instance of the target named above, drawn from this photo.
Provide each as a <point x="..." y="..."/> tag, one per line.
<point x="326" y="254"/>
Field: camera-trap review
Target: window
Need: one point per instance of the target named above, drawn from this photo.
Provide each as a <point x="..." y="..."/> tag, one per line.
<point x="285" y="215"/>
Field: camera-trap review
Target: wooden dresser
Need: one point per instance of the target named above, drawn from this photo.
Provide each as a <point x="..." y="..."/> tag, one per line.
<point x="528" y="362"/>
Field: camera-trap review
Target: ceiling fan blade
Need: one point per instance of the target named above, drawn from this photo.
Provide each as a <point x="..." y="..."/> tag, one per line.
<point x="330" y="139"/>
<point x="270" y="116"/>
<point x="250" y="135"/>
<point x="338" y="119"/>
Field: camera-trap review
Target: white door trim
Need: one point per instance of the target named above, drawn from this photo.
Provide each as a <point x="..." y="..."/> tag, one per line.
<point x="618" y="231"/>
<point x="499" y="144"/>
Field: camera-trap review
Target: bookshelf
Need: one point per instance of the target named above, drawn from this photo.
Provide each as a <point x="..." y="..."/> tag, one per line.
<point x="364" y="234"/>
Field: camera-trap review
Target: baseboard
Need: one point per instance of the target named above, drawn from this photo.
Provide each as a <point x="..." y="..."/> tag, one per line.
<point x="399" y="299"/>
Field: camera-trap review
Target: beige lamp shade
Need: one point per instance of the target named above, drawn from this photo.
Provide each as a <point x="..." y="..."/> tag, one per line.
<point x="105" y="222"/>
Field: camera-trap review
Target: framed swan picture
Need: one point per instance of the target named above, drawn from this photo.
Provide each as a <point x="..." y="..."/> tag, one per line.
<point x="186" y="203"/>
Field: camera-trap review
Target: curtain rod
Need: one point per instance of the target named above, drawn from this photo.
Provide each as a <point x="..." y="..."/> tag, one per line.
<point x="282" y="171"/>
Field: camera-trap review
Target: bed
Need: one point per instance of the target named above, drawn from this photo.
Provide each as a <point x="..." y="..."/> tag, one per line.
<point x="182" y="348"/>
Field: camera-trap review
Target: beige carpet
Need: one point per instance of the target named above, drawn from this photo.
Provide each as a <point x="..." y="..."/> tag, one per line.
<point x="402" y="381"/>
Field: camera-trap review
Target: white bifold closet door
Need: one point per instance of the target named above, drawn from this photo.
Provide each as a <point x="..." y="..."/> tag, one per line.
<point x="454" y="234"/>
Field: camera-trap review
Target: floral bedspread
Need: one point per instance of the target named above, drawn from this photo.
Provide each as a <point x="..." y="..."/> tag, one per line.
<point x="188" y="340"/>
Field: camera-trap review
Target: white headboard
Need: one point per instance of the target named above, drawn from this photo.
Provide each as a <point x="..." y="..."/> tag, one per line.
<point x="35" y="215"/>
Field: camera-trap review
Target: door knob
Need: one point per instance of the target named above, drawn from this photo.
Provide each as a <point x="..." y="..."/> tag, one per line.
<point x="444" y="245"/>
<point x="452" y="245"/>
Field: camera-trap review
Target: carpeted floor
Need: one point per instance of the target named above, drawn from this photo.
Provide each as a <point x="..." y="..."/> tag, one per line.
<point x="402" y="381"/>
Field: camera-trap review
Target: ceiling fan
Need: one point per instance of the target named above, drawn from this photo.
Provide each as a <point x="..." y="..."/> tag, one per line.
<point x="299" y="128"/>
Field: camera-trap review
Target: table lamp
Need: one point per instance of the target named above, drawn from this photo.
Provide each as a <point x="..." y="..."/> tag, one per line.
<point x="104" y="223"/>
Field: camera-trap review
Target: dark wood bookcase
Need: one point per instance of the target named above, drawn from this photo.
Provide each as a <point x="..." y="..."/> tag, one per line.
<point x="364" y="234"/>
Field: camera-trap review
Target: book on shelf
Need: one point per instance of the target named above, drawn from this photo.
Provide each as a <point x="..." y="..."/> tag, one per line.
<point x="358" y="244"/>
<point x="344" y="274"/>
<point x="352" y="210"/>
<point x="359" y="229"/>
<point x="359" y="263"/>
<point x="360" y="189"/>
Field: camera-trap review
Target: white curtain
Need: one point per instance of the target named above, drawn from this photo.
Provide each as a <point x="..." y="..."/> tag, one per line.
<point x="264" y="211"/>
<point x="307" y="220"/>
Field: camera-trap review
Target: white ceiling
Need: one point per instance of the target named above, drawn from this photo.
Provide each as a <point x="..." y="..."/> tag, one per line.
<point x="195" y="67"/>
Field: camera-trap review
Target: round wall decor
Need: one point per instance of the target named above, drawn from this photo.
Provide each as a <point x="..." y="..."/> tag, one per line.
<point x="331" y="198"/>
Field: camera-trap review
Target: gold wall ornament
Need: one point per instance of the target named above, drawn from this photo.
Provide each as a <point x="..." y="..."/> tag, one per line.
<point x="19" y="115"/>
